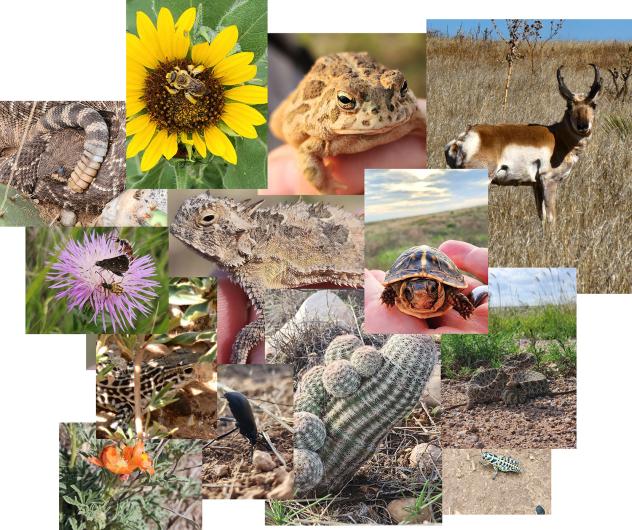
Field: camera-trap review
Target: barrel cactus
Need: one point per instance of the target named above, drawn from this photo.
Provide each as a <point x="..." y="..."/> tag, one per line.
<point x="344" y="409"/>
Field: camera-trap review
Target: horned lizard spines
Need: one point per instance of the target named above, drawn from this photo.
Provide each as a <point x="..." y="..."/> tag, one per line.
<point x="341" y="347"/>
<point x="310" y="431"/>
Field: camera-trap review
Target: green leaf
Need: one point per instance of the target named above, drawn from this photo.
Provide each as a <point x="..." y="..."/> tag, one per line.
<point x="197" y="311"/>
<point x="18" y="210"/>
<point x="185" y="298"/>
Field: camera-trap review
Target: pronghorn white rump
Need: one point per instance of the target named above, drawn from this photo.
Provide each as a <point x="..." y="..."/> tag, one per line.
<point x="534" y="155"/>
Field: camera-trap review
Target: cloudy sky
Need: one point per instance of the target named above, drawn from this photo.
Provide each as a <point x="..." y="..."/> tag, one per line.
<point x="519" y="287"/>
<point x="392" y="193"/>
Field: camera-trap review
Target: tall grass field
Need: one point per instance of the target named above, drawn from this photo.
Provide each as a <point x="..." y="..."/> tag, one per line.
<point x="466" y="80"/>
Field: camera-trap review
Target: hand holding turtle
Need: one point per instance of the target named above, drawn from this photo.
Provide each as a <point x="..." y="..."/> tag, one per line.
<point x="386" y="318"/>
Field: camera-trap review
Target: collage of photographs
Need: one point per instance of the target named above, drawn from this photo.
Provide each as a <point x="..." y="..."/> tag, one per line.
<point x="277" y="250"/>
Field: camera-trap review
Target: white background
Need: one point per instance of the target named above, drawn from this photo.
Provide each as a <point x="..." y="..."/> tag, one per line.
<point x="68" y="49"/>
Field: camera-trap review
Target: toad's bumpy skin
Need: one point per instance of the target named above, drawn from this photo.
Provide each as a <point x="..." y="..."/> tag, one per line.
<point x="336" y="433"/>
<point x="284" y="246"/>
<point x="73" y="155"/>
<point x="347" y="103"/>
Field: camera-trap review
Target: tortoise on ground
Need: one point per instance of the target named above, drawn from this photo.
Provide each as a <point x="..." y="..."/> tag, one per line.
<point x="423" y="282"/>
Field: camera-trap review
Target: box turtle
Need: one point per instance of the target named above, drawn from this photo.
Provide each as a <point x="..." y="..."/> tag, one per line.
<point x="425" y="283"/>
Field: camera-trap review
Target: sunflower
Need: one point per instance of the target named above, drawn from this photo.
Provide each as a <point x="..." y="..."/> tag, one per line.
<point x="183" y="94"/>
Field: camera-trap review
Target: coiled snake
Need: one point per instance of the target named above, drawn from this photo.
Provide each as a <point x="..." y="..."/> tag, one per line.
<point x="73" y="154"/>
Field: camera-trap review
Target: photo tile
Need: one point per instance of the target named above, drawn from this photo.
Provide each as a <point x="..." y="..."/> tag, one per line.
<point x="544" y="113"/>
<point x="61" y="162"/>
<point x="253" y="244"/>
<point x="252" y="455"/>
<point x="517" y="386"/>
<point x="497" y="481"/>
<point x="127" y="482"/>
<point x="426" y="251"/>
<point x="365" y="413"/>
<point x="96" y="280"/>
<point x="197" y="95"/>
<point x="177" y="385"/>
<point x="341" y="103"/>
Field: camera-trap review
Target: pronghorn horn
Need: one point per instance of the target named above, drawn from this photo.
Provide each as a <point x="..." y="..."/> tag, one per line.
<point x="566" y="93"/>
<point x="596" y="86"/>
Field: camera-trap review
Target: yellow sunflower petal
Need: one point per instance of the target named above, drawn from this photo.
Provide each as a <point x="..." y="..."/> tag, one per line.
<point x="184" y="138"/>
<point x="221" y="45"/>
<point x="141" y="140"/>
<point x="198" y="53"/>
<point x="148" y="34"/>
<point x="133" y="106"/>
<point x="213" y="141"/>
<point x="138" y="52"/>
<point x="219" y="144"/>
<point x="166" y="32"/>
<point x="135" y="70"/>
<point x="231" y="63"/>
<point x="247" y="113"/>
<point x="171" y="146"/>
<point x="199" y="144"/>
<point x="154" y="151"/>
<point x="137" y="124"/>
<point x="186" y="20"/>
<point x="245" y="73"/>
<point x="136" y="81"/>
<point x="251" y="94"/>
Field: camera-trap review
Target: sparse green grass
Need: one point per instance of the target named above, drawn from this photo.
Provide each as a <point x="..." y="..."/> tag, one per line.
<point x="593" y="225"/>
<point x="461" y="355"/>
<point x="385" y="240"/>
<point x="540" y="322"/>
<point x="550" y="330"/>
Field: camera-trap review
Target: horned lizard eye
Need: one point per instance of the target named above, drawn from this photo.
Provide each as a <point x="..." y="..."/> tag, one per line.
<point x="346" y="101"/>
<point x="404" y="89"/>
<point x="207" y="219"/>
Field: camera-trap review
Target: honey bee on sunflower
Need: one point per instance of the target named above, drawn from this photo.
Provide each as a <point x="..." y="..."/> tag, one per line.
<point x="189" y="99"/>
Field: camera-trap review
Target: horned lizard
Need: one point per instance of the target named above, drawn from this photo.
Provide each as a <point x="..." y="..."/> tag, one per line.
<point x="284" y="246"/>
<point x="347" y="103"/>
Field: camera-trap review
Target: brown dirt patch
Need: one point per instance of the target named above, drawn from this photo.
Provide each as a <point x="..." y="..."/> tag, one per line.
<point x="470" y="489"/>
<point x="543" y="422"/>
<point x="228" y="471"/>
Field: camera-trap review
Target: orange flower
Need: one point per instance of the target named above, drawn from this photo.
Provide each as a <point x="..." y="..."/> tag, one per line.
<point x="126" y="461"/>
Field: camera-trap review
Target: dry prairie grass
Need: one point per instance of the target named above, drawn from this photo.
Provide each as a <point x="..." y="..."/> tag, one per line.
<point x="466" y="80"/>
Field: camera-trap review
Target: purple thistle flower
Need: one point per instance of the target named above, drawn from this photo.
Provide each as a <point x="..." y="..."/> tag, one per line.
<point x="85" y="284"/>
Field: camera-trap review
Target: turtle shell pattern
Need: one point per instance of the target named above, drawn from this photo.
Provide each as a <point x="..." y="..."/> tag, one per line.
<point x="425" y="262"/>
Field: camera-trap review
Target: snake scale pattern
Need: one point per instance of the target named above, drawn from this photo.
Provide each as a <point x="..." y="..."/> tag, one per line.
<point x="73" y="155"/>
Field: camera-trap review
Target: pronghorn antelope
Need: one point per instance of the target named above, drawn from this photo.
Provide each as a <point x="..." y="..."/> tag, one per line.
<point x="534" y="155"/>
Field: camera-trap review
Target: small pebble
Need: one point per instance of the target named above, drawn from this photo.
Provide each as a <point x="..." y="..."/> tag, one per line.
<point x="263" y="461"/>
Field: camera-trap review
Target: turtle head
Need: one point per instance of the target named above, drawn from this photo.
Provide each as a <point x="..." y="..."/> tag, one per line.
<point x="423" y="294"/>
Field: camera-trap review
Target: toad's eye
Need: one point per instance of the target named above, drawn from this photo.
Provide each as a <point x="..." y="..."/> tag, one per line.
<point x="207" y="219"/>
<point x="346" y="101"/>
<point x="404" y="89"/>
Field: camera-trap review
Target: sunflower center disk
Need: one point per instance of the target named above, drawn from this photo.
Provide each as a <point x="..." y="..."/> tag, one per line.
<point x="172" y="110"/>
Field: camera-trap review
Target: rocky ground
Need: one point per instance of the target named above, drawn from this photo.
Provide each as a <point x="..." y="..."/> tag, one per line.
<point x="544" y="422"/>
<point x="231" y="470"/>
